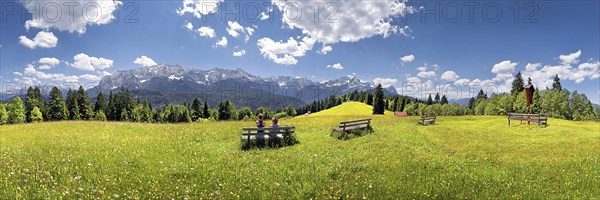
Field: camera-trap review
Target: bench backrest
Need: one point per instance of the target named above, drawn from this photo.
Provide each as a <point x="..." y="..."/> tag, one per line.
<point x="540" y="115"/>
<point x="281" y="129"/>
<point x="428" y="117"/>
<point x="355" y="122"/>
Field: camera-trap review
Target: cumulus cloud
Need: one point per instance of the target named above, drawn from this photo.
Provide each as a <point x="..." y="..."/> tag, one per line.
<point x="42" y="39"/>
<point x="31" y="71"/>
<point x="385" y="82"/>
<point x="235" y="29"/>
<point x="570" y="58"/>
<point x="206" y="31"/>
<point x="407" y="58"/>
<point x="48" y="63"/>
<point x="337" y="66"/>
<point x="325" y="50"/>
<point x="199" y="7"/>
<point x="90" y="77"/>
<point x="72" y="16"/>
<point x="285" y="52"/>
<point x="239" y="53"/>
<point x="144" y="61"/>
<point x="449" y="76"/>
<point x="89" y="63"/>
<point x="221" y="43"/>
<point x="189" y="26"/>
<point x="351" y="20"/>
<point x="425" y="73"/>
<point x="504" y="70"/>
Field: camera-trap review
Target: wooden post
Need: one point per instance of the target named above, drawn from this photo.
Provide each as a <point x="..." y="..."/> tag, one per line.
<point x="508" y="119"/>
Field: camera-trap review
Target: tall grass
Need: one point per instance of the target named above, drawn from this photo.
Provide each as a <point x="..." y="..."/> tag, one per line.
<point x="459" y="157"/>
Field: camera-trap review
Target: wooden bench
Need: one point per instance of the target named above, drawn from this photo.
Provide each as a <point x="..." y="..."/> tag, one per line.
<point x="424" y="120"/>
<point x="539" y="119"/>
<point x="280" y="132"/>
<point x="354" y="124"/>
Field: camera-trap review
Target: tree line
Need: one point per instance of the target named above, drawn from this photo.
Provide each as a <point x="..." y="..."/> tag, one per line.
<point x="121" y="106"/>
<point x="557" y="102"/>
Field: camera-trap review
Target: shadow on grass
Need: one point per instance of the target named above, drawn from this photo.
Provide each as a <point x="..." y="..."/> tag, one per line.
<point x="272" y="143"/>
<point x="351" y="134"/>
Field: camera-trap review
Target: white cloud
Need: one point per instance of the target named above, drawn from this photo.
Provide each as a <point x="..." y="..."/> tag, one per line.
<point x="285" y="52"/>
<point x="325" y="49"/>
<point x="264" y="16"/>
<point x="426" y="74"/>
<point x="337" y="66"/>
<point x="90" y="77"/>
<point x="85" y="62"/>
<point x="407" y="58"/>
<point x="17" y="74"/>
<point x="199" y="7"/>
<point x="423" y="73"/>
<point x="104" y="73"/>
<point x="48" y="63"/>
<point x="221" y="43"/>
<point x="189" y="26"/>
<point x="239" y="53"/>
<point x="385" y="82"/>
<point x="144" y="61"/>
<point x="235" y="29"/>
<point x="351" y="21"/>
<point x="532" y="66"/>
<point x="450" y="76"/>
<point x="31" y="71"/>
<point x="72" y="16"/>
<point x="413" y="80"/>
<point x="206" y="31"/>
<point x="504" y="70"/>
<point x="42" y="39"/>
<point x="570" y="59"/>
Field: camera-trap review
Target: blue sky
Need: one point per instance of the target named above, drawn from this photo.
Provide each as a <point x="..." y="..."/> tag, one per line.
<point x="385" y="41"/>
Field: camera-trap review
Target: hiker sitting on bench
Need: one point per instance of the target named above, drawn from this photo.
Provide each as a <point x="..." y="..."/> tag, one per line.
<point x="273" y="133"/>
<point x="260" y="135"/>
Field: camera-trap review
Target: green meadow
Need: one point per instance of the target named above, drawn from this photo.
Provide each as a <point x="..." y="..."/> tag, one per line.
<point x="474" y="157"/>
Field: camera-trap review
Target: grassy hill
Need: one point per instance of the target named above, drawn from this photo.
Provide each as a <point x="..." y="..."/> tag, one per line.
<point x="461" y="157"/>
<point x="349" y="109"/>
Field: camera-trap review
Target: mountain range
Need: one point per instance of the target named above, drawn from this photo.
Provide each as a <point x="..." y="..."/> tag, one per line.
<point x="164" y="83"/>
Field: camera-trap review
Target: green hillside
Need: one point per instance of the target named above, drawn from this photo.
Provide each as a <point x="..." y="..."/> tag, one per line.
<point x="474" y="157"/>
<point x="349" y="109"/>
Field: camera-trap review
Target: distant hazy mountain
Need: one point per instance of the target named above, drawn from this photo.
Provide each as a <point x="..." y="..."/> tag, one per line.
<point x="174" y="84"/>
<point x="463" y="101"/>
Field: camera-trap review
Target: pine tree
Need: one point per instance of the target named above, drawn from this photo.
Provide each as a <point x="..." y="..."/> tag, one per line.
<point x="437" y="98"/>
<point x="517" y="84"/>
<point x="16" y="111"/>
<point x="100" y="103"/>
<point x="73" y="105"/>
<point x="481" y="95"/>
<point x="36" y="115"/>
<point x="196" y="109"/>
<point x="429" y="100"/>
<point x="33" y="99"/>
<point x="3" y="114"/>
<point x="556" y="85"/>
<point x="225" y="110"/>
<point x="205" y="112"/>
<point x="85" y="105"/>
<point x="378" y="101"/>
<point x="444" y="100"/>
<point x="58" y="109"/>
<point x="471" y="104"/>
<point x="111" y="112"/>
